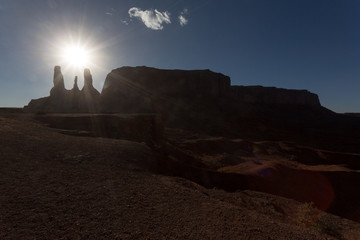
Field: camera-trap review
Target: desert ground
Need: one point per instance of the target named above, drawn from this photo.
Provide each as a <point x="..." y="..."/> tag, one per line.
<point x="191" y="186"/>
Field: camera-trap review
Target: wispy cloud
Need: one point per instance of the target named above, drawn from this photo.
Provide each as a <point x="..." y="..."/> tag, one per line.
<point x="111" y="12"/>
<point x="125" y="22"/>
<point x="152" y="19"/>
<point x="182" y="20"/>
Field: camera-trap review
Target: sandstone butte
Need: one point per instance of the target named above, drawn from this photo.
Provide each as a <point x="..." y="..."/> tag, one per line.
<point x="145" y="89"/>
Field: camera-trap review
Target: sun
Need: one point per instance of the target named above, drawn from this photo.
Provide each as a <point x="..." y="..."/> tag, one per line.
<point x="76" y="56"/>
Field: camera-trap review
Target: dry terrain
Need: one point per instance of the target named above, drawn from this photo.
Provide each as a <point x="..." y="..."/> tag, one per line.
<point x="58" y="186"/>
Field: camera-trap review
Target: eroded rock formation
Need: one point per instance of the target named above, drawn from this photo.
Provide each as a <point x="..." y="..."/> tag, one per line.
<point x="59" y="85"/>
<point x="76" y="87"/>
<point x="89" y="96"/>
<point x="148" y="90"/>
<point x="63" y="100"/>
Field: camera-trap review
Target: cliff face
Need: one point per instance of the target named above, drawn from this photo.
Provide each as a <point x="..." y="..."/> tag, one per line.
<point x="148" y="89"/>
<point x="145" y="89"/>
<point x="168" y="82"/>
<point x="274" y="96"/>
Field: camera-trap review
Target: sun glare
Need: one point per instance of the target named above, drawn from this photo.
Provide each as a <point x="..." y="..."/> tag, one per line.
<point x="76" y="56"/>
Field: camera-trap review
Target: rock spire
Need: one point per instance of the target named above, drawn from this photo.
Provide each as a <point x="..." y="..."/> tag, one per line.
<point x="58" y="80"/>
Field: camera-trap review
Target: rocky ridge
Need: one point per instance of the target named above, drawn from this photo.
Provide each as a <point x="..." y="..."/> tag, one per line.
<point x="145" y="89"/>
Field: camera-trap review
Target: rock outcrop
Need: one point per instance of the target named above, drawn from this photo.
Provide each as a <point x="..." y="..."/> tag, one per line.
<point x="274" y="96"/>
<point x="63" y="100"/>
<point x="179" y="83"/>
<point x="151" y="90"/>
<point x="89" y="96"/>
<point x="201" y="101"/>
<point x="145" y="89"/>
<point x="59" y="85"/>
<point x="135" y="127"/>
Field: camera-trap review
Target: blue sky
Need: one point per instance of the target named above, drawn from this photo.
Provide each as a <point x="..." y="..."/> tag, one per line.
<point x="297" y="44"/>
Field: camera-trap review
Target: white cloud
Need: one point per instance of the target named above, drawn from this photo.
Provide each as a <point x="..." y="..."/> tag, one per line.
<point x="182" y="20"/>
<point x="152" y="19"/>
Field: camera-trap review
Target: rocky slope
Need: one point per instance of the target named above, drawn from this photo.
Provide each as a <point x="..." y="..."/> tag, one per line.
<point x="71" y="187"/>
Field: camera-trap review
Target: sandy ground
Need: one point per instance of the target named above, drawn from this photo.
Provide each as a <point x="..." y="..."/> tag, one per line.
<point x="56" y="186"/>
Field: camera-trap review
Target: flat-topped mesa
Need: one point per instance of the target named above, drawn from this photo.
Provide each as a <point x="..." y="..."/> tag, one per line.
<point x="58" y="80"/>
<point x="128" y="87"/>
<point x="146" y="89"/>
<point x="274" y="96"/>
<point x="174" y="83"/>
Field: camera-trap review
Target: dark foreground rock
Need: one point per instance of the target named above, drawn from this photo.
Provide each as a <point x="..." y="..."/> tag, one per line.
<point x="69" y="187"/>
<point x="135" y="127"/>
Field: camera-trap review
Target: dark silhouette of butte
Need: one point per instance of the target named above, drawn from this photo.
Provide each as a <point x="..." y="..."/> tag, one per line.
<point x="197" y="100"/>
<point x="205" y="102"/>
<point x="144" y="89"/>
